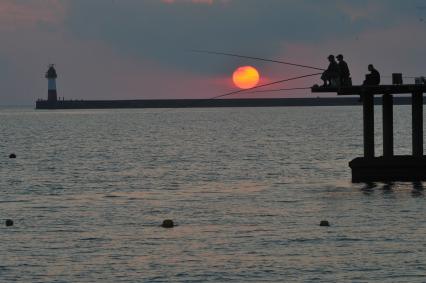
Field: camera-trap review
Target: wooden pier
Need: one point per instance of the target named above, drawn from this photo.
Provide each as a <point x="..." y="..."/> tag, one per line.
<point x="388" y="167"/>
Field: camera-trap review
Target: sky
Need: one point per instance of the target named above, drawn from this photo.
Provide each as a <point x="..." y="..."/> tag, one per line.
<point x="141" y="49"/>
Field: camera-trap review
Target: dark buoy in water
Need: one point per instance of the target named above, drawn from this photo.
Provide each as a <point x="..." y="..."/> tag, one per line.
<point x="324" y="223"/>
<point x="12" y="155"/>
<point x="168" y="223"/>
<point x="9" y="222"/>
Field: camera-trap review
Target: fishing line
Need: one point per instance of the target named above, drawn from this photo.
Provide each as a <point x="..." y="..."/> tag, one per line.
<point x="256" y="58"/>
<point x="268" y="84"/>
<point x="202" y="100"/>
<point x="280" y="89"/>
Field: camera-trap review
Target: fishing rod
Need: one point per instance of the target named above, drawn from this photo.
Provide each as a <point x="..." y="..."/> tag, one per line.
<point x="256" y="58"/>
<point x="263" y="85"/>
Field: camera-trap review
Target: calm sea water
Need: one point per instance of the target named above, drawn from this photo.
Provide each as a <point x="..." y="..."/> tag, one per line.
<point x="247" y="188"/>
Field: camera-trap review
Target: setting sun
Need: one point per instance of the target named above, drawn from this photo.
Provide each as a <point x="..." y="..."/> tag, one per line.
<point x="245" y="77"/>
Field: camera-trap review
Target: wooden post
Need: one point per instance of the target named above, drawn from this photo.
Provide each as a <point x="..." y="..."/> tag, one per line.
<point x="387" y="110"/>
<point x="368" y="113"/>
<point x="417" y="123"/>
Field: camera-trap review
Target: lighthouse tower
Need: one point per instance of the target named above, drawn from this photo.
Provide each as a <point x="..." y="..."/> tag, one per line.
<point x="51" y="83"/>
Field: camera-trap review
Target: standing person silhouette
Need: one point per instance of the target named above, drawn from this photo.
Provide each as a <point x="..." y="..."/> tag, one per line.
<point x="330" y="76"/>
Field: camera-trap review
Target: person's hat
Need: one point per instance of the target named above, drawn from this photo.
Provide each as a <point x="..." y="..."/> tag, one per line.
<point x="330" y="57"/>
<point x="339" y="56"/>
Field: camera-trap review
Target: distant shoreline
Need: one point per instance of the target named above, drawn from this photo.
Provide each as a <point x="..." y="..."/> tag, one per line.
<point x="209" y="103"/>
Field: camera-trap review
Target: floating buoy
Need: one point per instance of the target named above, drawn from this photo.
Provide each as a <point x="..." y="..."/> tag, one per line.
<point x="12" y="155"/>
<point x="168" y="223"/>
<point x="9" y="222"/>
<point x="324" y="223"/>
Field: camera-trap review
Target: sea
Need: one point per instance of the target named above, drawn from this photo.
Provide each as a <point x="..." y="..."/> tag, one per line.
<point x="246" y="187"/>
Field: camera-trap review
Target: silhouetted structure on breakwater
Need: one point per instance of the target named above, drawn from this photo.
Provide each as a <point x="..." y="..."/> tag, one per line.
<point x="51" y="76"/>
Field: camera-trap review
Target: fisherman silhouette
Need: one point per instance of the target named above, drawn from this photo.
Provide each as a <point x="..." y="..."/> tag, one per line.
<point x="373" y="78"/>
<point x="344" y="74"/>
<point x="331" y="75"/>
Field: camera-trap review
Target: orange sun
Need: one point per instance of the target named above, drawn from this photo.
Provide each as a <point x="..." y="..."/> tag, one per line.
<point x="246" y="77"/>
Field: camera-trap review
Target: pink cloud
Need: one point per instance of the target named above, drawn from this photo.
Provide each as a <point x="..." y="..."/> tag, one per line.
<point x="23" y="14"/>
<point x="358" y="12"/>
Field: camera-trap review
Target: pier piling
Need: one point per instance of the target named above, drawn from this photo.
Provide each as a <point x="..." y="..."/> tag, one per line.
<point x="417" y="123"/>
<point x="368" y="110"/>
<point x="387" y="112"/>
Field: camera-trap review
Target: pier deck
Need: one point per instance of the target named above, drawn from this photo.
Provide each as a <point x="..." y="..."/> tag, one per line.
<point x="374" y="90"/>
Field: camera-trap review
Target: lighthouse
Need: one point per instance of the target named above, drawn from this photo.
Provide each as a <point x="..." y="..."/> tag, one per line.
<point x="51" y="83"/>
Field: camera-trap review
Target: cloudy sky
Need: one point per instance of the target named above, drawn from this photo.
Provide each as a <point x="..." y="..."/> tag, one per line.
<point x="136" y="49"/>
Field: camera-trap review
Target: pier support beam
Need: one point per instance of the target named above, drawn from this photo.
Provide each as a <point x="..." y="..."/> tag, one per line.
<point x="368" y="113"/>
<point x="417" y="123"/>
<point x="387" y="110"/>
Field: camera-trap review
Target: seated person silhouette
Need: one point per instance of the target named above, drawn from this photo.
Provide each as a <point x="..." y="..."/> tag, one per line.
<point x="373" y="78"/>
<point x="344" y="74"/>
<point x="330" y="76"/>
